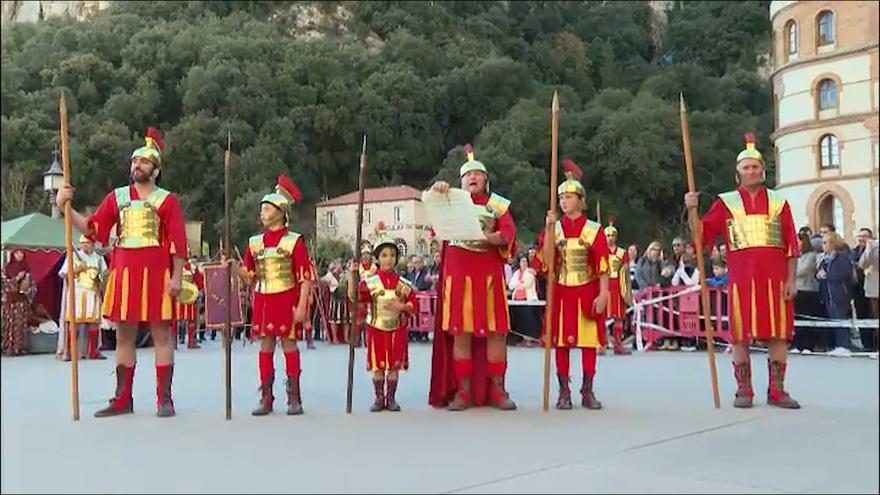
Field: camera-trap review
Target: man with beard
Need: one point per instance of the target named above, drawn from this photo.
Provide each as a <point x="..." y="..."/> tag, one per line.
<point x="470" y="354"/>
<point x="145" y="270"/>
<point x="277" y="263"/>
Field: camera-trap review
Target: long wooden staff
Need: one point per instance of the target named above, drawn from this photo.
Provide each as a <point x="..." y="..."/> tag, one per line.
<point x="227" y="234"/>
<point x="551" y="236"/>
<point x="71" y="287"/>
<point x="355" y="276"/>
<point x="598" y="212"/>
<point x="697" y="230"/>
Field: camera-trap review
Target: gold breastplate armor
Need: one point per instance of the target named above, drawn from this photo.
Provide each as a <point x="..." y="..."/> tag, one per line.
<point x="753" y="230"/>
<point x="380" y="316"/>
<point x="89" y="278"/>
<point x="574" y="270"/>
<point x="274" y="264"/>
<point x="614" y="262"/>
<point x="138" y="219"/>
<point x="140" y="225"/>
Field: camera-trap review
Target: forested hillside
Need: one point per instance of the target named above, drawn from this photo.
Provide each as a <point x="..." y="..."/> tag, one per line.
<point x="298" y="84"/>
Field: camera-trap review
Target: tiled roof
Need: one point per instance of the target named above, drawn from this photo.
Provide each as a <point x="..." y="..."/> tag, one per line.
<point x="376" y="195"/>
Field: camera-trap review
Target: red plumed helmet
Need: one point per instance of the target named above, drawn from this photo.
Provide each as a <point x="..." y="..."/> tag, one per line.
<point x="610" y="219"/>
<point x="289" y="188"/>
<point x="156" y="136"/>
<point x="571" y="169"/>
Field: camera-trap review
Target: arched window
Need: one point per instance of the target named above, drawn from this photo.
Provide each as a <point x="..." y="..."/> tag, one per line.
<point x="401" y="247"/>
<point x="827" y="94"/>
<point x="829" y="210"/>
<point x="829" y="152"/>
<point x="791" y="37"/>
<point x="825" y="28"/>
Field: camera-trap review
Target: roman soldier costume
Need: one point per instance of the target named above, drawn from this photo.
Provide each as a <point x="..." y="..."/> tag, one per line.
<point x="150" y="232"/>
<point x="277" y="263"/>
<point x="760" y="236"/>
<point x="581" y="260"/>
<point x="472" y="300"/>
<point x="619" y="288"/>
<point x="387" y="333"/>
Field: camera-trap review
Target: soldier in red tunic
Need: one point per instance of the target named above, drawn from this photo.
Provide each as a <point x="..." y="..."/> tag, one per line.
<point x="390" y="298"/>
<point x="581" y="291"/>
<point x="145" y="270"/>
<point x="277" y="264"/>
<point x="762" y="252"/>
<point x="619" y="287"/>
<point x="470" y="351"/>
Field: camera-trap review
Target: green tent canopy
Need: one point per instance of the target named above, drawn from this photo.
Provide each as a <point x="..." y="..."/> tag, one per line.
<point x="35" y="231"/>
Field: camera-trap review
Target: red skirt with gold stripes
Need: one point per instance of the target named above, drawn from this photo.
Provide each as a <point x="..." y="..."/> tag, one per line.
<point x="574" y="322"/>
<point x="473" y="299"/>
<point x="387" y="350"/>
<point x="756" y="295"/>
<point x="184" y="312"/>
<point x="136" y="284"/>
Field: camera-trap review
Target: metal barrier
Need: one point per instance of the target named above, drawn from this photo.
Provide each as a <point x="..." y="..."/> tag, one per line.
<point x="675" y="312"/>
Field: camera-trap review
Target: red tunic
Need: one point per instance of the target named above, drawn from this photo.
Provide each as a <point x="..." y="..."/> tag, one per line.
<point x="758" y="308"/>
<point x="471" y="299"/>
<point x="272" y="314"/>
<point x="136" y="282"/>
<point x="575" y="324"/>
<point x="616" y="304"/>
<point x="387" y="350"/>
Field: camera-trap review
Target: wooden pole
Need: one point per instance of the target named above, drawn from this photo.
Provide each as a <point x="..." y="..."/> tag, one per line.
<point x="227" y="328"/>
<point x="697" y="230"/>
<point x="598" y="212"/>
<point x="355" y="276"/>
<point x="71" y="287"/>
<point x="551" y="263"/>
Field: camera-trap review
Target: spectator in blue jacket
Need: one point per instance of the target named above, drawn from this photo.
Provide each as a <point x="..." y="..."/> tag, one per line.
<point x="719" y="272"/>
<point x="835" y="280"/>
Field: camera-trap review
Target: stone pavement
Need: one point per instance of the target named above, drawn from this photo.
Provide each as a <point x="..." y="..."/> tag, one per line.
<point x="658" y="433"/>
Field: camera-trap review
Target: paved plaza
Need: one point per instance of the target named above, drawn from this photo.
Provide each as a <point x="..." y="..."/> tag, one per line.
<point x="657" y="433"/>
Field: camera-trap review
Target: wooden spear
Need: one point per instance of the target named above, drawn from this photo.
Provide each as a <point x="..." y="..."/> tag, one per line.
<point x="697" y="230"/>
<point x="355" y="276"/>
<point x="550" y="236"/>
<point x="71" y="287"/>
<point x="227" y="220"/>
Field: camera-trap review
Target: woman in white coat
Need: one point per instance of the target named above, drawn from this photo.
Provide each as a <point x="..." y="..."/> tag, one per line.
<point x="522" y="283"/>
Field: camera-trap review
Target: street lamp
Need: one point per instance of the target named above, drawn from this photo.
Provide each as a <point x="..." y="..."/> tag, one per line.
<point x="53" y="179"/>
